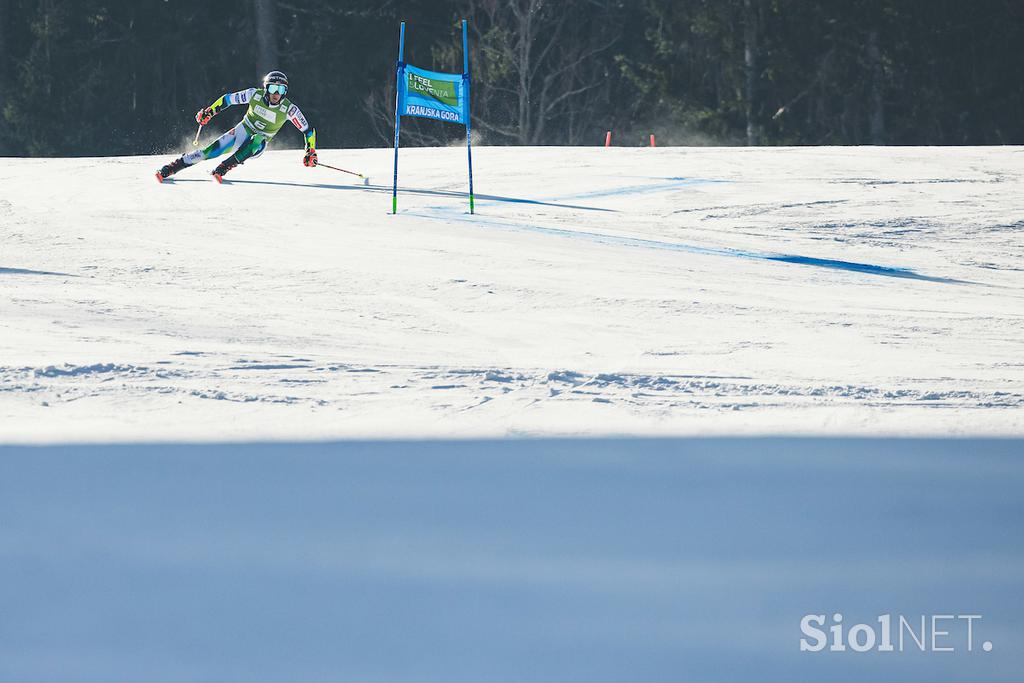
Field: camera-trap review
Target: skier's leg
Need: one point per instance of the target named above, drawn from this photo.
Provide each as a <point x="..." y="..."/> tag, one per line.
<point x="252" y="149"/>
<point x="249" y="149"/>
<point x="257" y="149"/>
<point x="228" y="142"/>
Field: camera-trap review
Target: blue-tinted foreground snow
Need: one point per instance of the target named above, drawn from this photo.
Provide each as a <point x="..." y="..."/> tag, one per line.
<point x="610" y="560"/>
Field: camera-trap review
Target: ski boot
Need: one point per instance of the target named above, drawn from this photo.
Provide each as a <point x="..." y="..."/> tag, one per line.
<point x="223" y="168"/>
<point x="170" y="169"/>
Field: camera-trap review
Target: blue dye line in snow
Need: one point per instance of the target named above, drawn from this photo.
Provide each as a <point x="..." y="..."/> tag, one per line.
<point x="622" y="241"/>
<point x="26" y="271"/>
<point x="856" y="267"/>
<point x="672" y="184"/>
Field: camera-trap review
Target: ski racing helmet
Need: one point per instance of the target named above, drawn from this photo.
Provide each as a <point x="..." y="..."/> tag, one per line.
<point x="275" y="78"/>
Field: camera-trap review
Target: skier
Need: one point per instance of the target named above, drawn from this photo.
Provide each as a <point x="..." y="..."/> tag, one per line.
<point x="268" y="112"/>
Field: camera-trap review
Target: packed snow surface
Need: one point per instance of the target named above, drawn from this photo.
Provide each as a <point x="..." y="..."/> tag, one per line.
<point x="595" y="291"/>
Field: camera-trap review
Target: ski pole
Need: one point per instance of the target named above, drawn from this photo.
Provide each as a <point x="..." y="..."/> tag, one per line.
<point x="366" y="181"/>
<point x="195" y="143"/>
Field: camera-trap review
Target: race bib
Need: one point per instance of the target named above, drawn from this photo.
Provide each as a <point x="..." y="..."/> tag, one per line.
<point x="264" y="114"/>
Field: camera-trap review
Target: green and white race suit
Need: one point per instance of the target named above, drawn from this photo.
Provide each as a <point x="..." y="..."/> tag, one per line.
<point x="261" y="123"/>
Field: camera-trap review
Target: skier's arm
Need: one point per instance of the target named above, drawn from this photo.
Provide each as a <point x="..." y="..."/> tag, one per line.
<point x="223" y="102"/>
<point x="300" y="122"/>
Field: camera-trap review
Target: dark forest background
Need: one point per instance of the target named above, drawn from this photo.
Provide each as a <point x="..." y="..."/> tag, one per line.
<point x="97" y="77"/>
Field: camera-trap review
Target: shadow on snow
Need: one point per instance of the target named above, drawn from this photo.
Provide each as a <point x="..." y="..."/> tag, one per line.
<point x="622" y="240"/>
<point x="834" y="264"/>
<point x="25" y="271"/>
<point x="386" y="189"/>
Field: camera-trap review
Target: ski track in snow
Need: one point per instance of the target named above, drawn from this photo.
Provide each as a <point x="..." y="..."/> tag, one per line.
<point x="811" y="290"/>
<point x="330" y="384"/>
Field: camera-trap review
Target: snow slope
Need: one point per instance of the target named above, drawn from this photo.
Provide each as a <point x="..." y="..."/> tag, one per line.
<point x="658" y="291"/>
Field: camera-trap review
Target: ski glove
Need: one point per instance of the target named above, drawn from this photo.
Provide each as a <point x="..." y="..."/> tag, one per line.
<point x="204" y="116"/>
<point x="310" y="158"/>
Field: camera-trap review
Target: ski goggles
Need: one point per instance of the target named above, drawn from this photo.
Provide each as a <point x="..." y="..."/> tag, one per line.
<point x="277" y="89"/>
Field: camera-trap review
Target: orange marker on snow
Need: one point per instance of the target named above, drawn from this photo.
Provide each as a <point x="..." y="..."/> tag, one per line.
<point x="608" y="139"/>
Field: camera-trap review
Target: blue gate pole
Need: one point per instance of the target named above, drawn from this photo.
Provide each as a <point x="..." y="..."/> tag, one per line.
<point x="469" y="132"/>
<point x="399" y="73"/>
